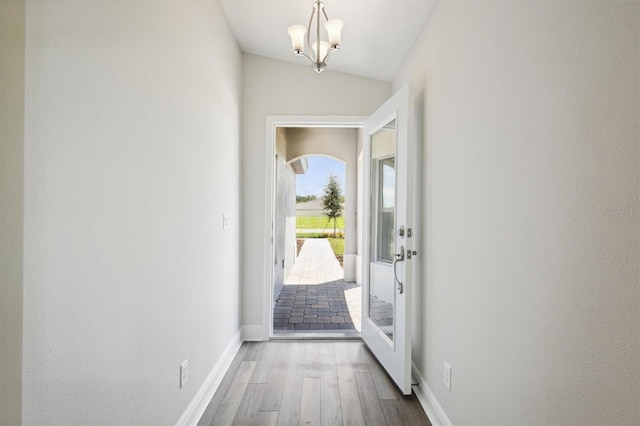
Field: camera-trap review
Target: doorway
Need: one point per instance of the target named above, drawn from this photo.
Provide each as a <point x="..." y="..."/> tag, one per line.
<point x="310" y="305"/>
<point x="385" y="171"/>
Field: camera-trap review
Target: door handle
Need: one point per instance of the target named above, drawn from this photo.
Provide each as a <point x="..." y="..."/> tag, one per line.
<point x="398" y="257"/>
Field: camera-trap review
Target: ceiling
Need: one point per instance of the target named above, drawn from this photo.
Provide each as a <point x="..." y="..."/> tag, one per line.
<point x="376" y="37"/>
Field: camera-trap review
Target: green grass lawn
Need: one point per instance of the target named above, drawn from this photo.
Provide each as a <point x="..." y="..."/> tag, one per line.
<point x="311" y="235"/>
<point x="318" y="222"/>
<point x="337" y="244"/>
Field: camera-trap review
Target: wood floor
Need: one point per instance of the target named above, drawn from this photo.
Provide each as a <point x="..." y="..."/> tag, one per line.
<point x="309" y="383"/>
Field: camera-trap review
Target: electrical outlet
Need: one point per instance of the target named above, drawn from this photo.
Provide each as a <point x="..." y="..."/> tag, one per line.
<point x="447" y="375"/>
<point x="184" y="373"/>
<point x="226" y="222"/>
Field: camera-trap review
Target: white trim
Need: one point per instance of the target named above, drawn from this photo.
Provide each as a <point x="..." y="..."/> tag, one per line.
<point x="430" y="405"/>
<point x="316" y="120"/>
<point x="269" y="217"/>
<point x="203" y="397"/>
<point x="273" y="121"/>
<point x="254" y="333"/>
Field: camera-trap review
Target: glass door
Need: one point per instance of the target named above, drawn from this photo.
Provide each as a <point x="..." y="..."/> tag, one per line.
<point x="386" y="262"/>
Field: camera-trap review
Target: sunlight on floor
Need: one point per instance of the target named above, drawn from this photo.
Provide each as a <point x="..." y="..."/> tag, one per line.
<point x="353" y="297"/>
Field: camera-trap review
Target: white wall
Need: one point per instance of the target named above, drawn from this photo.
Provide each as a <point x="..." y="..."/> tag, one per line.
<point x="291" y="246"/>
<point x="12" y="21"/>
<point x="282" y="195"/>
<point x="530" y="221"/>
<point x="272" y="87"/>
<point x="131" y="158"/>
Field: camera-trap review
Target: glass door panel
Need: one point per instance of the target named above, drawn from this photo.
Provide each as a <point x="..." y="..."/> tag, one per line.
<point x="382" y="293"/>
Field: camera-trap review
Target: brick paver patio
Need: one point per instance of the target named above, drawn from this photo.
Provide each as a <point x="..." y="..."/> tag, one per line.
<point x="315" y="298"/>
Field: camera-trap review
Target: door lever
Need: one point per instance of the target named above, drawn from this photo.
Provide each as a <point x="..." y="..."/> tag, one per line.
<point x="398" y="257"/>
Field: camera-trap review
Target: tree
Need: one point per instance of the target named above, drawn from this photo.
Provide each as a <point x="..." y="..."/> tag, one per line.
<point x="333" y="199"/>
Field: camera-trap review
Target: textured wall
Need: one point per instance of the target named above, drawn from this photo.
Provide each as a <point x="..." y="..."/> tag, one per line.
<point x="132" y="156"/>
<point x="12" y="21"/>
<point x="529" y="286"/>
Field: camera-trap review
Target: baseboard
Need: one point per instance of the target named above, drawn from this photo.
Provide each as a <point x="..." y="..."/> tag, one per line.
<point x="253" y="333"/>
<point x="428" y="400"/>
<point x="199" y="403"/>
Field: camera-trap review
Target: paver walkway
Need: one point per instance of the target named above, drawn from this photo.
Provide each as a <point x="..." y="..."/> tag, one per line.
<point x="316" y="264"/>
<point x="315" y="298"/>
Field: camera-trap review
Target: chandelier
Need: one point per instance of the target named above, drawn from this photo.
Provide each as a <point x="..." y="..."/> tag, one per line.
<point x="320" y="49"/>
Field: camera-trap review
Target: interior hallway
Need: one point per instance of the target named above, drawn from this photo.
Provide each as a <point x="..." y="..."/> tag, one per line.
<point x="130" y="130"/>
<point x="328" y="383"/>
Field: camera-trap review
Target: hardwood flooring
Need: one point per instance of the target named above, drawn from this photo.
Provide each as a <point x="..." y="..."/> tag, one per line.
<point x="309" y="383"/>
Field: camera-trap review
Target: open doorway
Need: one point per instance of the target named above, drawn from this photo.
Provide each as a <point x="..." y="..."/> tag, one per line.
<point x="314" y="288"/>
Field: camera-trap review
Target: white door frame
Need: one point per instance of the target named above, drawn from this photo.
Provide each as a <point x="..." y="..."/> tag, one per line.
<point x="272" y="122"/>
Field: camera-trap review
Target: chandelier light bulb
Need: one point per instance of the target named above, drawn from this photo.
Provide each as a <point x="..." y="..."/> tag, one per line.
<point x="296" y="32"/>
<point x="324" y="48"/>
<point x="334" y="27"/>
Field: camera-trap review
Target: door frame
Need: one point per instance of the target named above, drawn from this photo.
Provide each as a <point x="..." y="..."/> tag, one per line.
<point x="272" y="122"/>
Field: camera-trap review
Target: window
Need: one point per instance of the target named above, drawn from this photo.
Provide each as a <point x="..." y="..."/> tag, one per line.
<point x="386" y="209"/>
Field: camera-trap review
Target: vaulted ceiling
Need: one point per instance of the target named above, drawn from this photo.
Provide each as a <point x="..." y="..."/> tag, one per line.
<point x="377" y="34"/>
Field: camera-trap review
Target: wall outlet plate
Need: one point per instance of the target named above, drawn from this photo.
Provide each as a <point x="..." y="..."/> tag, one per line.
<point x="226" y="222"/>
<point x="184" y="373"/>
<point x="447" y="375"/>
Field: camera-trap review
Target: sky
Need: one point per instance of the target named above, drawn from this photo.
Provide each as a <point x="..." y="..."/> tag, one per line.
<point x="314" y="180"/>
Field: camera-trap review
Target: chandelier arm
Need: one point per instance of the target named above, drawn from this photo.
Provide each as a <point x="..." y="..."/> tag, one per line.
<point x="307" y="56"/>
<point x="309" y="33"/>
<point x="318" y="31"/>
<point x="326" y="57"/>
<point x="324" y="12"/>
